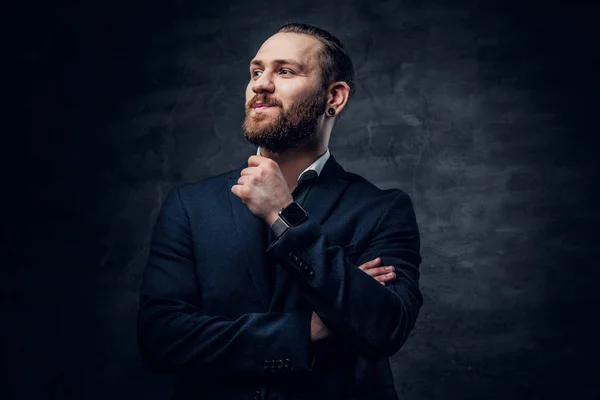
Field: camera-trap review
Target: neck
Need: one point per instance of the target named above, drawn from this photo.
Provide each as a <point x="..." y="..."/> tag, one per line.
<point x="293" y="161"/>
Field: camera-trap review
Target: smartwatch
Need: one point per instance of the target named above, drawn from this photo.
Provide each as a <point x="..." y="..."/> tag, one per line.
<point x="289" y="216"/>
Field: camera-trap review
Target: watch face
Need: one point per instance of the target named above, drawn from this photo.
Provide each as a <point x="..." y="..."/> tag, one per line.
<point x="293" y="214"/>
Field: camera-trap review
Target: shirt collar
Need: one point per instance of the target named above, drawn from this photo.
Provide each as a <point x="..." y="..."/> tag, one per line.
<point x="317" y="166"/>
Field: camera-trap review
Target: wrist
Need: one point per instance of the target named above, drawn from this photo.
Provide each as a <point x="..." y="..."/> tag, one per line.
<point x="273" y="215"/>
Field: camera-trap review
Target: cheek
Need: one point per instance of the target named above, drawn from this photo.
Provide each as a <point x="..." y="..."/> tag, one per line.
<point x="292" y="102"/>
<point x="297" y="94"/>
<point x="289" y="98"/>
<point x="249" y="93"/>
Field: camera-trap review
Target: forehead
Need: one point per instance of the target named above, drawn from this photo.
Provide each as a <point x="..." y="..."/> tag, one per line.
<point x="294" y="46"/>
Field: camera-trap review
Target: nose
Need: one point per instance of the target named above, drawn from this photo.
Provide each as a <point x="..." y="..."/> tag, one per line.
<point x="263" y="84"/>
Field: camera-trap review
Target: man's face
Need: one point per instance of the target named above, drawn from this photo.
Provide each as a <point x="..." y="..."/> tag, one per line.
<point x="284" y="98"/>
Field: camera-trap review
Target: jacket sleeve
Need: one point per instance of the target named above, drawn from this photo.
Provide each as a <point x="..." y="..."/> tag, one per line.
<point x="174" y="335"/>
<point x="370" y="318"/>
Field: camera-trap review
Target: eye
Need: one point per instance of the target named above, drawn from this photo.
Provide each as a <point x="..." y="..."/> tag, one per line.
<point x="255" y="73"/>
<point x="286" y="71"/>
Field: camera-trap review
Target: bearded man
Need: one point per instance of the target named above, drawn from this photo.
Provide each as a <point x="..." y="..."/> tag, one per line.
<point x="288" y="277"/>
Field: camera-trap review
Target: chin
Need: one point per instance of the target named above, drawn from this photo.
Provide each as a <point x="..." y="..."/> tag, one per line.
<point x="255" y="132"/>
<point x="258" y="118"/>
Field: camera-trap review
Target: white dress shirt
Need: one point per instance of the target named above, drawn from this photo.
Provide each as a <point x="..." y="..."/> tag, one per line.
<point x="317" y="166"/>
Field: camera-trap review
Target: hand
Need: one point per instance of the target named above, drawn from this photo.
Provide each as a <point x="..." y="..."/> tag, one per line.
<point x="382" y="274"/>
<point x="318" y="330"/>
<point x="263" y="189"/>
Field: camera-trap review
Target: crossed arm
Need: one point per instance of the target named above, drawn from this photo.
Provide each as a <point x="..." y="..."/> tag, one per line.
<point x="372" y="320"/>
<point x="174" y="335"/>
<point x="373" y="268"/>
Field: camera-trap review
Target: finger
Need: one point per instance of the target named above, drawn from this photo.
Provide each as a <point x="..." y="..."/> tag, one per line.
<point x="255" y="161"/>
<point x="235" y="190"/>
<point x="368" y="271"/>
<point x="385" y="278"/>
<point x="265" y="163"/>
<point x="380" y="271"/>
<point x="370" y="264"/>
<point x="240" y="191"/>
<point x="250" y="171"/>
<point x="365" y="267"/>
<point x="243" y="180"/>
<point x="374" y="272"/>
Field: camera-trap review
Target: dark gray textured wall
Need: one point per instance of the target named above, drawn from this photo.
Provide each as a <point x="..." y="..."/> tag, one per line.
<point x="483" y="113"/>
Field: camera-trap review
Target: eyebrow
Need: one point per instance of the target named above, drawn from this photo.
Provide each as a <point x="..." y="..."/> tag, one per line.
<point x="259" y="63"/>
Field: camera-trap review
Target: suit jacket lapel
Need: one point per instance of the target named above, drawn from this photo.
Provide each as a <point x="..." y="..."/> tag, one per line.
<point x="326" y="190"/>
<point x="251" y="236"/>
<point x="321" y="199"/>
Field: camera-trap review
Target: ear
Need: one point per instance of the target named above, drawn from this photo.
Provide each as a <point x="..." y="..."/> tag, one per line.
<point x="337" y="97"/>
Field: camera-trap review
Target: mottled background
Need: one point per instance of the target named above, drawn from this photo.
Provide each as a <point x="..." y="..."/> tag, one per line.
<point x="484" y="112"/>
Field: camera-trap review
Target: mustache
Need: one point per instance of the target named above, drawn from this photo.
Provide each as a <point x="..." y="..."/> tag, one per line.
<point x="263" y="99"/>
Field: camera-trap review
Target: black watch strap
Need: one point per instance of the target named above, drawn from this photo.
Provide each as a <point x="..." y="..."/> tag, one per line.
<point x="290" y="215"/>
<point x="279" y="227"/>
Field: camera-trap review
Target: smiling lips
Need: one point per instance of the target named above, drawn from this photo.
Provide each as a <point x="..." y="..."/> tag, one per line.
<point x="262" y="106"/>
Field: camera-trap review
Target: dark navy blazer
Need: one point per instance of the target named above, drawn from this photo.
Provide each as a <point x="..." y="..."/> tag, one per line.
<point x="207" y="315"/>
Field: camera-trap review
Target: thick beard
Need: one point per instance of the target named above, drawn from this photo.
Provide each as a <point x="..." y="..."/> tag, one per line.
<point x="292" y="128"/>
